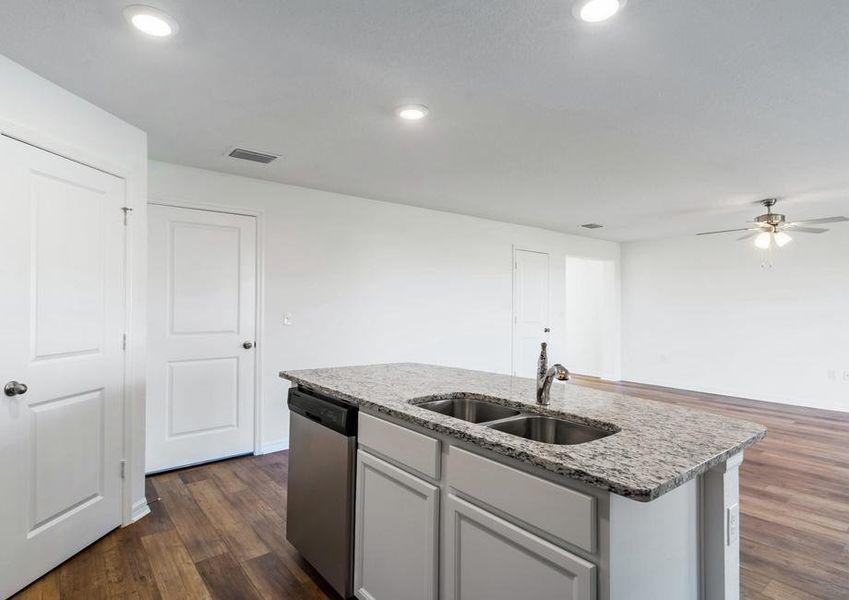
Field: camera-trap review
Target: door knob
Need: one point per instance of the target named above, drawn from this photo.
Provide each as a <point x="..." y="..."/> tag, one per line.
<point x="15" y="388"/>
<point x="247" y="345"/>
<point x="547" y="330"/>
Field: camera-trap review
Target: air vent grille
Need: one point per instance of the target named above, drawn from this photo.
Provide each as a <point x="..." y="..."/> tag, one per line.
<point x="252" y="155"/>
<point x="592" y="226"/>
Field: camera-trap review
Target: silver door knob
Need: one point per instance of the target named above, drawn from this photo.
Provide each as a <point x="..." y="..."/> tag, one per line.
<point x="247" y="345"/>
<point x="15" y="388"/>
<point x="547" y="330"/>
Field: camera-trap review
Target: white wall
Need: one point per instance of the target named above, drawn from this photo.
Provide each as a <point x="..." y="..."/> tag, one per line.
<point x="38" y="112"/>
<point x="700" y="313"/>
<point x="371" y="282"/>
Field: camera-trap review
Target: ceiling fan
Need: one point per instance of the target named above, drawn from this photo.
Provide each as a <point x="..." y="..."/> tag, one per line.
<point x="773" y="229"/>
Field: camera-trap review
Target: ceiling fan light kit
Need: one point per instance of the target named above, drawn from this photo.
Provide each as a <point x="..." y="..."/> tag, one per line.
<point x="771" y="229"/>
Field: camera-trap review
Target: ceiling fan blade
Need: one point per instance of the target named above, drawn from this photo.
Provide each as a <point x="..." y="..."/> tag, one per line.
<point x="808" y="229"/>
<point x="723" y="231"/>
<point x="749" y="236"/>
<point x="822" y="220"/>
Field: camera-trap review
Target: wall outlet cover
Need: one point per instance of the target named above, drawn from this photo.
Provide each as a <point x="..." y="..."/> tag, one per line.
<point x="733" y="523"/>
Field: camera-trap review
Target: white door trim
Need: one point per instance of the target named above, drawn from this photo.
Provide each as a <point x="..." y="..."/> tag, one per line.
<point x="260" y="281"/>
<point x="133" y="395"/>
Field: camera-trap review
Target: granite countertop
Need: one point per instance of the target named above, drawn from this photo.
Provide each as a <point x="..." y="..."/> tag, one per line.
<point x="658" y="446"/>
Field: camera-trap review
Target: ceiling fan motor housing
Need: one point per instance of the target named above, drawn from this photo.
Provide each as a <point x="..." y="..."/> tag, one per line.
<point x="771" y="218"/>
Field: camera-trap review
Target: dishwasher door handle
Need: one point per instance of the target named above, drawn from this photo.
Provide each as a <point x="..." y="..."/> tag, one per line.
<point x="312" y="416"/>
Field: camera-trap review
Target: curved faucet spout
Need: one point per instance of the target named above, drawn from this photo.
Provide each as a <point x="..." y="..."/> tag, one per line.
<point x="546" y="375"/>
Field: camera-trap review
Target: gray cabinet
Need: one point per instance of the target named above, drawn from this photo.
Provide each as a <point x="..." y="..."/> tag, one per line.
<point x="396" y="533"/>
<point x="488" y="558"/>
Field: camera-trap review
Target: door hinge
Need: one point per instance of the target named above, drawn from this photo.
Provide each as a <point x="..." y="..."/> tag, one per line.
<point x="127" y="210"/>
<point x="123" y="341"/>
<point x="123" y="469"/>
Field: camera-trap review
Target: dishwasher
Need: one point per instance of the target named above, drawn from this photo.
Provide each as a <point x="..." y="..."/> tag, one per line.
<point x="322" y="464"/>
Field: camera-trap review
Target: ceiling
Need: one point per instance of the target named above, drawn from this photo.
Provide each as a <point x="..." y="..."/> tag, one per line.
<point x="668" y="119"/>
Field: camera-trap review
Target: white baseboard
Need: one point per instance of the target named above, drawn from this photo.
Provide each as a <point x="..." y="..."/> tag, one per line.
<point x="277" y="446"/>
<point x="139" y="509"/>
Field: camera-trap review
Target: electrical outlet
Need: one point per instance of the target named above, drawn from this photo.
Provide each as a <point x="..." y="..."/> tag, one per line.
<point x="287" y="318"/>
<point x="733" y="524"/>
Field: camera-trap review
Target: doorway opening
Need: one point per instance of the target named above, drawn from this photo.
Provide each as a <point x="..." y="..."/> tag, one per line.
<point x="591" y="338"/>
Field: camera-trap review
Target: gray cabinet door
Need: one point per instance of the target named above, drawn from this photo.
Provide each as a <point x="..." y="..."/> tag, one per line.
<point x="488" y="558"/>
<point x="396" y="531"/>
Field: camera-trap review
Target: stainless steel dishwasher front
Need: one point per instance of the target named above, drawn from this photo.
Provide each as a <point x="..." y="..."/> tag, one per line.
<point x="322" y="463"/>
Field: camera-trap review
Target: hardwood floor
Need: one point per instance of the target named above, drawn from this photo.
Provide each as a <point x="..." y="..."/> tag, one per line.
<point x="794" y="494"/>
<point x="219" y="529"/>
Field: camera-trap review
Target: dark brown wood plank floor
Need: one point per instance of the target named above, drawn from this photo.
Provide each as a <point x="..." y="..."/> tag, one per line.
<point x="794" y="494"/>
<point x="219" y="529"/>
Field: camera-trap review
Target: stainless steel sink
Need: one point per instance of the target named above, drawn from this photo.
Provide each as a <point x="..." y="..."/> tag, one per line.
<point x="469" y="409"/>
<point x="549" y="430"/>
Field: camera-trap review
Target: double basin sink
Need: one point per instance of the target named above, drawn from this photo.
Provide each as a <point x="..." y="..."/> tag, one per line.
<point x="537" y="428"/>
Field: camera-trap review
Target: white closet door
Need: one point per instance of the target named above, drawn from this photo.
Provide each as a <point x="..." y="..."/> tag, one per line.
<point x="530" y="309"/>
<point x="61" y="326"/>
<point x="201" y="316"/>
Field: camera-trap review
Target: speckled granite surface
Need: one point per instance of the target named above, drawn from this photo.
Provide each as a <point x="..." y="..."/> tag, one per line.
<point x="657" y="448"/>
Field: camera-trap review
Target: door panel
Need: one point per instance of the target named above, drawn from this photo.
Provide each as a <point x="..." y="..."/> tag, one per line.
<point x="530" y="309"/>
<point x="203" y="395"/>
<point x="62" y="324"/>
<point x="66" y="431"/>
<point x="68" y="267"/>
<point x="204" y="278"/>
<point x="201" y="309"/>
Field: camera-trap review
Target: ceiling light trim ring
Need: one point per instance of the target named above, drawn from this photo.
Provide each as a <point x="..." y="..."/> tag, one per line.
<point x="134" y="11"/>
<point x="613" y="7"/>
<point x="412" y="112"/>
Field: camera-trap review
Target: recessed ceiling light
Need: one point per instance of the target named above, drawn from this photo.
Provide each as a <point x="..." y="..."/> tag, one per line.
<point x="412" y="112"/>
<point x="595" y="11"/>
<point x="151" y="21"/>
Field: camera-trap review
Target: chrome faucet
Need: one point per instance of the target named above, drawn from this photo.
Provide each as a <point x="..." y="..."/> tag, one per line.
<point x="545" y="376"/>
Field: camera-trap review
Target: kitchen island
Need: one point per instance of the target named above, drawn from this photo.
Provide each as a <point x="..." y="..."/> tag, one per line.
<point x="644" y="505"/>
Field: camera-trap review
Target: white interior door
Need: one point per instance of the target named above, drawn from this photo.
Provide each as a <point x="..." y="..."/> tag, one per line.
<point x="201" y="316"/>
<point x="61" y="325"/>
<point x="530" y="309"/>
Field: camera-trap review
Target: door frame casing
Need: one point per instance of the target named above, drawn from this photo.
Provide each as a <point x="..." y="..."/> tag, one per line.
<point x="132" y="394"/>
<point x="258" y="305"/>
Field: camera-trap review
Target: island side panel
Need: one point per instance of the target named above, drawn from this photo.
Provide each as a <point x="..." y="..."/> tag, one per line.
<point x="654" y="546"/>
<point x="721" y="530"/>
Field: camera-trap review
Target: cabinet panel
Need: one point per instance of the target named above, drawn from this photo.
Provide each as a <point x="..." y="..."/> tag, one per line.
<point x="563" y="512"/>
<point x="488" y="558"/>
<point x="419" y="452"/>
<point x="396" y="533"/>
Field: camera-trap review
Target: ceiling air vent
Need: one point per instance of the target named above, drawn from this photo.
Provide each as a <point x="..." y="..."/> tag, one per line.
<point x="252" y="155"/>
<point x="592" y="226"/>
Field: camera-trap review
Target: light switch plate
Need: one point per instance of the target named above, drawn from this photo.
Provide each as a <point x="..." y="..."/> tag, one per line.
<point x="733" y="523"/>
